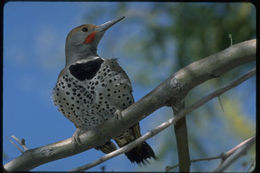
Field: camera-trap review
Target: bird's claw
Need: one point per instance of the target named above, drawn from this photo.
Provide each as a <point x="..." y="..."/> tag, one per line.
<point x="118" y="115"/>
<point x="75" y="138"/>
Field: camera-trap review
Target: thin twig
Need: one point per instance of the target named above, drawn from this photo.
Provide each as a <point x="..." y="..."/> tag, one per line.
<point x="251" y="167"/>
<point x="220" y="91"/>
<point x="15" y="145"/>
<point x="231" y="40"/>
<point x="167" y="123"/>
<point x="21" y="142"/>
<point x="236" y="153"/>
<point x="220" y="102"/>
<point x="222" y="156"/>
<point x="231" y="151"/>
<point x="168" y="168"/>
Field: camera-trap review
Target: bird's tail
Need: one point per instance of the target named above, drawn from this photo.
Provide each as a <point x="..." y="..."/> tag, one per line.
<point x="108" y="147"/>
<point x="140" y="153"/>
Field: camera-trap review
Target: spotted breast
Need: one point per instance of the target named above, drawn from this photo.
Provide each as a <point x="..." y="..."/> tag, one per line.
<point x="88" y="92"/>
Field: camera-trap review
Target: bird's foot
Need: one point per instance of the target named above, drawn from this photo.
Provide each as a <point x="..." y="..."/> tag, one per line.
<point x="118" y="115"/>
<point x="75" y="138"/>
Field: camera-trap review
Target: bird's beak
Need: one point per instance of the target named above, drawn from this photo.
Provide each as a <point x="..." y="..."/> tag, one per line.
<point x="105" y="26"/>
<point x="95" y="36"/>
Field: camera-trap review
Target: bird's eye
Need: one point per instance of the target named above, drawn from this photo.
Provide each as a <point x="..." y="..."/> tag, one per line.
<point x="84" y="29"/>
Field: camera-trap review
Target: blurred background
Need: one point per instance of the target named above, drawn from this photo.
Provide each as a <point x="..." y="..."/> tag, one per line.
<point x="151" y="43"/>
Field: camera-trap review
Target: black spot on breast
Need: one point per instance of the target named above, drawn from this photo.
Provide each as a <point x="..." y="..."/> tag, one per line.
<point x="86" y="70"/>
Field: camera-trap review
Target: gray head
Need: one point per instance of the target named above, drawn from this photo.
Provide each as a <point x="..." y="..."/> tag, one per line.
<point x="83" y="40"/>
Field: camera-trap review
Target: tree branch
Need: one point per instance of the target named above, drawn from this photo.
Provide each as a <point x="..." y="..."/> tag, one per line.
<point x="179" y="84"/>
<point x="222" y="156"/>
<point x="15" y="145"/>
<point x="234" y="154"/>
<point x="173" y="120"/>
<point x="169" y="168"/>
<point x="181" y="134"/>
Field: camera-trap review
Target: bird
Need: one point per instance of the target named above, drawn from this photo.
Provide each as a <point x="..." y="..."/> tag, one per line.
<point x="91" y="89"/>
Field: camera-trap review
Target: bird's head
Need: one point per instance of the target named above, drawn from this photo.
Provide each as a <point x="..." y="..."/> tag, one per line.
<point x="83" y="40"/>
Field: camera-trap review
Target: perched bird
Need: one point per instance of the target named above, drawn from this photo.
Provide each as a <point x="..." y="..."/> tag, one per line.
<point x="91" y="89"/>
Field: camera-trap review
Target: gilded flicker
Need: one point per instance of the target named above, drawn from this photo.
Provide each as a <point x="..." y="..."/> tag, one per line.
<point x="91" y="89"/>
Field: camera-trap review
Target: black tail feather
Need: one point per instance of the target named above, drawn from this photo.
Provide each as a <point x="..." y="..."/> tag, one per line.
<point x="140" y="153"/>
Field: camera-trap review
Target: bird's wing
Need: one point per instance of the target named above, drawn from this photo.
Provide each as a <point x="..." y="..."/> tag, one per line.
<point x="117" y="68"/>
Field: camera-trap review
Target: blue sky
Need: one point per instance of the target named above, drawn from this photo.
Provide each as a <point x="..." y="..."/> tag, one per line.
<point x="34" y="40"/>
